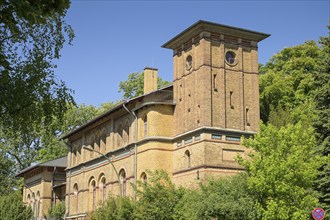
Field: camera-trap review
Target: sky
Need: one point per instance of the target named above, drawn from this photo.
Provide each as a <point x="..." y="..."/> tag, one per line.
<point x="116" y="38"/>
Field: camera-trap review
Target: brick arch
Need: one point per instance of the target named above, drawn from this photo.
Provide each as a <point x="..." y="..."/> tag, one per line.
<point x="92" y="193"/>
<point x="123" y="180"/>
<point x="102" y="183"/>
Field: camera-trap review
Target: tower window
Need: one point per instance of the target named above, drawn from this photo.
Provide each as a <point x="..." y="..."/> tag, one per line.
<point x="231" y="100"/>
<point x="247" y="117"/>
<point x="145" y="126"/>
<point x="230" y="57"/>
<point x="189" y="62"/>
<point x="187" y="158"/>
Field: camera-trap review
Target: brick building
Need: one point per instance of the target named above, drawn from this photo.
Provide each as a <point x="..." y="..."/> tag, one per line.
<point x="191" y="129"/>
<point x="44" y="185"/>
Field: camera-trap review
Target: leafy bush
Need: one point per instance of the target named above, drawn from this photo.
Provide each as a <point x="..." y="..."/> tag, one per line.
<point x="12" y="207"/>
<point x="225" y="198"/>
<point x="56" y="212"/>
<point x="158" y="198"/>
<point x="114" y="208"/>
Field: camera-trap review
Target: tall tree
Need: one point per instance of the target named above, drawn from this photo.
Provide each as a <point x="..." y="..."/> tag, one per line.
<point x="282" y="171"/>
<point x="286" y="85"/>
<point x="32" y="33"/>
<point x="322" y="123"/>
<point x="133" y="86"/>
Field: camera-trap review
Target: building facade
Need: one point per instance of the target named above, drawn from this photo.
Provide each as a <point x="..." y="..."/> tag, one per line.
<point x="44" y="186"/>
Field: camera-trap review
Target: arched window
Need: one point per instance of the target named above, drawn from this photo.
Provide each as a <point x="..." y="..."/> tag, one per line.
<point x="28" y="200"/>
<point x="145" y="126"/>
<point x="92" y="193"/>
<point x="187" y="156"/>
<point x="144" y="178"/>
<point x="122" y="175"/>
<point x="102" y="186"/>
<point x="38" y="204"/>
<point x="76" y="195"/>
<point x="34" y="204"/>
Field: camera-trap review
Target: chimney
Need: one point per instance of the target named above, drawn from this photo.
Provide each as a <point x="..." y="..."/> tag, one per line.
<point x="150" y="79"/>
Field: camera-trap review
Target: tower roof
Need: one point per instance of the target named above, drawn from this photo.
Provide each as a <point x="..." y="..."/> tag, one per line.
<point x="201" y="26"/>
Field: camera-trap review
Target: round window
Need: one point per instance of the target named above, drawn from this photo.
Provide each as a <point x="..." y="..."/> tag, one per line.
<point x="189" y="62"/>
<point x="230" y="57"/>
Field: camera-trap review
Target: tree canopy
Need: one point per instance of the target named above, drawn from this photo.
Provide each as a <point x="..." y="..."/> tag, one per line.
<point x="32" y="34"/>
<point x="282" y="171"/>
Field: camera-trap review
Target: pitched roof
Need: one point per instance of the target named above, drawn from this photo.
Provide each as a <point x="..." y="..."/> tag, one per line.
<point x="59" y="162"/>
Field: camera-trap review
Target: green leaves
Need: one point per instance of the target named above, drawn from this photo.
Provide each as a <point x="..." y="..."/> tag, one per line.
<point x="283" y="171"/>
<point x="225" y="198"/>
<point x="157" y="198"/>
<point x="12" y="207"/>
<point x="286" y="85"/>
<point x="57" y="211"/>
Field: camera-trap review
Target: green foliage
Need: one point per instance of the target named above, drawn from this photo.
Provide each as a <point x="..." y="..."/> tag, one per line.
<point x="157" y="198"/>
<point x="56" y="212"/>
<point x="133" y="86"/>
<point x="282" y="171"/>
<point x="32" y="33"/>
<point x="6" y="179"/>
<point x="322" y="122"/>
<point x="12" y="208"/>
<point x="114" y="208"/>
<point x="225" y="198"/>
<point x="286" y="85"/>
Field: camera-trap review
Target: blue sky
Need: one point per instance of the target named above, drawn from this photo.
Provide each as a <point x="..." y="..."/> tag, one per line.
<point x="116" y="38"/>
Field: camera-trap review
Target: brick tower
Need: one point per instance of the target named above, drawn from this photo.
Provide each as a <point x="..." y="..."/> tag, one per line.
<point x="216" y="91"/>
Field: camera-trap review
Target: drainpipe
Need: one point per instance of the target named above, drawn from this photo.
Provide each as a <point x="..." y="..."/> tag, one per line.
<point x="132" y="113"/>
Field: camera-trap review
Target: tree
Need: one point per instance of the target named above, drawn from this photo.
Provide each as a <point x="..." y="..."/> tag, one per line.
<point x="286" y="85"/>
<point x="133" y="86"/>
<point x="282" y="171"/>
<point x="322" y="123"/>
<point x="115" y="208"/>
<point x="6" y="175"/>
<point x="12" y="208"/>
<point x="223" y="198"/>
<point x="32" y="33"/>
<point x="157" y="198"/>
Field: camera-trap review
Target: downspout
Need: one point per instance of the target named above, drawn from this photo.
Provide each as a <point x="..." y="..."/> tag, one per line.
<point x="135" y="148"/>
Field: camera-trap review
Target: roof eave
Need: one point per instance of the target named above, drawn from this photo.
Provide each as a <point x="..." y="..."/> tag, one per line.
<point x="208" y="26"/>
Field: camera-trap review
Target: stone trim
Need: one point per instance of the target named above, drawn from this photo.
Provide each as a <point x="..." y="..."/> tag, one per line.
<point x="208" y="167"/>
